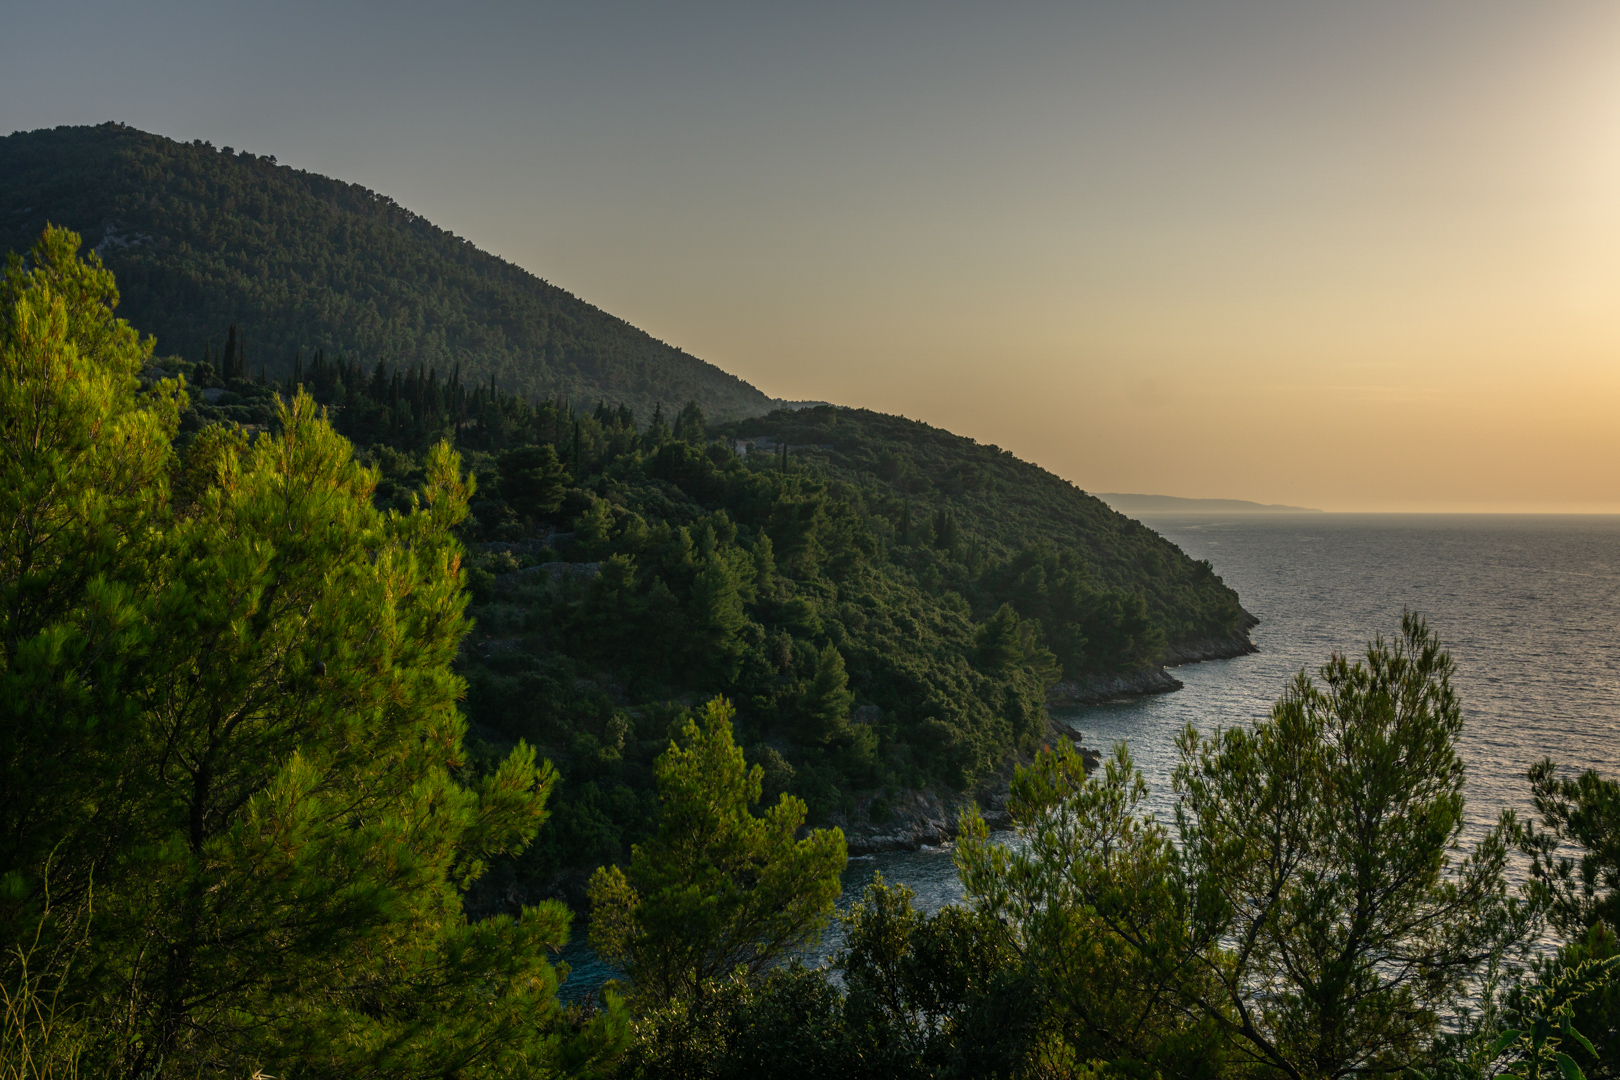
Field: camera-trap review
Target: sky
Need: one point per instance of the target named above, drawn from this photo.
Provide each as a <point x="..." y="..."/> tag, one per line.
<point x="1362" y="256"/>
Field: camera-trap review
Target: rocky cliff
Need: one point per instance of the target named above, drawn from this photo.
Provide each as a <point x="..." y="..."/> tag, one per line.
<point x="1095" y="689"/>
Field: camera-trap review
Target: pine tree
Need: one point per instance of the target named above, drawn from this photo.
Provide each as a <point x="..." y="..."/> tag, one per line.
<point x="717" y="620"/>
<point x="234" y="712"/>
<point x="594" y="527"/>
<point x="718" y="890"/>
<point x="690" y="425"/>
<point x="227" y="357"/>
<point x="533" y="480"/>
<point x="826" y="701"/>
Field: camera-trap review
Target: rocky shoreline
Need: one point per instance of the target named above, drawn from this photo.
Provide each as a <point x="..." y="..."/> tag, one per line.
<point x="914" y="819"/>
<point x="1096" y="689"/>
<point x="1222" y="647"/>
<point x="910" y="819"/>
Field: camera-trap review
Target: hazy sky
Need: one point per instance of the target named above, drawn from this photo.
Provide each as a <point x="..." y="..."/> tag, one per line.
<point x="1359" y="255"/>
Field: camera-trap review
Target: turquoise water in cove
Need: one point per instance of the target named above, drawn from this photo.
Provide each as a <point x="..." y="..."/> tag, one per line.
<point x="1528" y="605"/>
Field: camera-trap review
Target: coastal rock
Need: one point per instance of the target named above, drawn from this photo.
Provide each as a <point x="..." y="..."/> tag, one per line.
<point x="1221" y="647"/>
<point x="911" y="819"/>
<point x="908" y="821"/>
<point x="1062" y="729"/>
<point x="1095" y="689"/>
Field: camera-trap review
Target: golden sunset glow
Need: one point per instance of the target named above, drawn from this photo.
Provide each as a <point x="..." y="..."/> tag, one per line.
<point x="1361" y="257"/>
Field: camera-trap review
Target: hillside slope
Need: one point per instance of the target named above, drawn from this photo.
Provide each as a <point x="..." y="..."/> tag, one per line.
<point x="992" y="504"/>
<point x="201" y="239"/>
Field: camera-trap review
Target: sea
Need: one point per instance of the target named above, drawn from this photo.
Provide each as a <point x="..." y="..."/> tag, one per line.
<point x="1528" y="606"/>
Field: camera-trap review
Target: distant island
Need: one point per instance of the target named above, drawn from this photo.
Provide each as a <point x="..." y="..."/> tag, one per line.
<point x="1171" y="504"/>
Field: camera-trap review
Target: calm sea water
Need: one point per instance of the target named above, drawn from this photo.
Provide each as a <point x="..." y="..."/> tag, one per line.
<point x="1529" y="606"/>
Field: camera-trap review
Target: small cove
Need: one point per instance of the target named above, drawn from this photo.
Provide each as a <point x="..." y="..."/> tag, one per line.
<point x="1529" y="606"/>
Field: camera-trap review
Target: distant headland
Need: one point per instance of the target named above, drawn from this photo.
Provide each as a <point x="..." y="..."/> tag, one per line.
<point x="1171" y="504"/>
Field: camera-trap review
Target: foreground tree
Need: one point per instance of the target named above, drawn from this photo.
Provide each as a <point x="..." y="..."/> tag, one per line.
<point x="1576" y="812"/>
<point x="943" y="994"/>
<point x="1325" y="846"/>
<point x="1575" y="877"/>
<point x="1317" y="915"/>
<point x="233" y="713"/>
<point x="1091" y="909"/>
<point x="718" y="890"/>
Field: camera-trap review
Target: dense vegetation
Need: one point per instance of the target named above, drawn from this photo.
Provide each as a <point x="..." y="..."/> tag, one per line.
<point x="202" y="239"/>
<point x="236" y="818"/>
<point x="244" y="832"/>
<point x="1310" y="914"/>
<point x="886" y="603"/>
<point x="861" y="577"/>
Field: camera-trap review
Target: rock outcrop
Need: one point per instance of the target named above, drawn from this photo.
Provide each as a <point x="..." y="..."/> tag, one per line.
<point x="1095" y="689"/>
<point x="911" y="819"/>
<point x="1222" y="647"/>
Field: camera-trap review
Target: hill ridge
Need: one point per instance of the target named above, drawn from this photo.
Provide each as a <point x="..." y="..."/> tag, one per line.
<point x="201" y="239"/>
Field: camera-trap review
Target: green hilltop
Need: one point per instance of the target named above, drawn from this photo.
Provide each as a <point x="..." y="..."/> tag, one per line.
<point x="202" y="239"/>
<point x="996" y="503"/>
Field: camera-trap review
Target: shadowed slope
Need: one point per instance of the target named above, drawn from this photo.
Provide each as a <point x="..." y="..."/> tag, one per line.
<point x="201" y="239"/>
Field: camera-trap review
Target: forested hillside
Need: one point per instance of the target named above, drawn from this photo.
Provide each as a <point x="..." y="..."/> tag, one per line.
<point x="887" y="604"/>
<point x="272" y="804"/>
<point x="202" y="239"/>
<point x="979" y="504"/>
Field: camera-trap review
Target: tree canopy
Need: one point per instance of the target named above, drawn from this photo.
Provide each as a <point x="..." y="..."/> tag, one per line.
<point x="1312" y="917"/>
<point x="717" y="890"/>
<point x="233" y="788"/>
